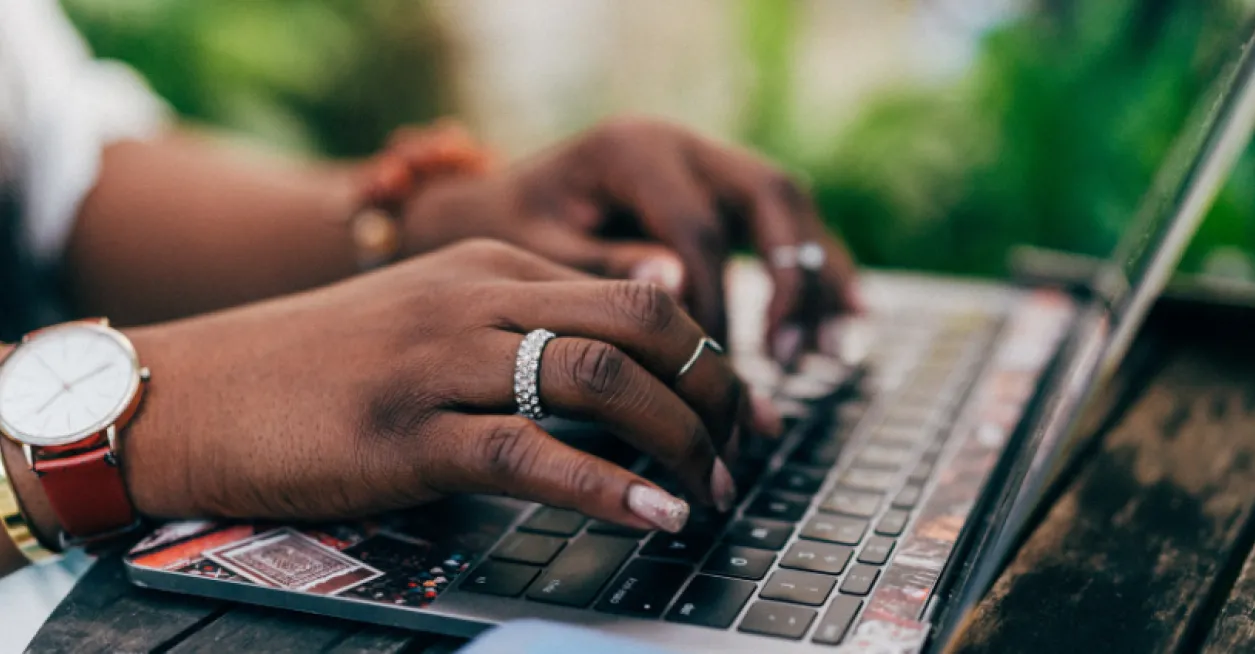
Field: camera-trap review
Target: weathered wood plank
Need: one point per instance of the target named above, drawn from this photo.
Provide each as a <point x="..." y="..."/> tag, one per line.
<point x="1128" y="556"/>
<point x="105" y="613"/>
<point x="381" y="640"/>
<point x="250" y="629"/>
<point x="1234" y="628"/>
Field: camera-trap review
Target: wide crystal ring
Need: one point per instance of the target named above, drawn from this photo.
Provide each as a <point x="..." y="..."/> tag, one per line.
<point x="808" y="255"/>
<point x="527" y="373"/>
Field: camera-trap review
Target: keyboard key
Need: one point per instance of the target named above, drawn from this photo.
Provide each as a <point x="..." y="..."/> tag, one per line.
<point x="776" y="619"/>
<point x="892" y="523"/>
<point x="817" y="557"/>
<point x="798" y="587"/>
<point x="777" y="507"/>
<point x="711" y="601"/>
<point x="872" y="480"/>
<point x="797" y="479"/>
<point x="581" y="570"/>
<point x="908" y="496"/>
<point x="852" y="503"/>
<point x="820" y="452"/>
<point x="761" y="534"/>
<point x="745" y="472"/>
<point x="835" y="529"/>
<point x="612" y="529"/>
<point x="644" y="588"/>
<point x="740" y="562"/>
<point x="529" y="548"/>
<point x="498" y="578"/>
<point x="559" y="522"/>
<point x="882" y="456"/>
<point x="705" y="519"/>
<point x="876" y="551"/>
<point x="837" y="620"/>
<point x="898" y="435"/>
<point x="860" y="579"/>
<point x="923" y="470"/>
<point x="687" y="546"/>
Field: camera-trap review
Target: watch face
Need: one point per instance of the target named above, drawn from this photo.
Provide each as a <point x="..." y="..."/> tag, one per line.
<point x="66" y="383"/>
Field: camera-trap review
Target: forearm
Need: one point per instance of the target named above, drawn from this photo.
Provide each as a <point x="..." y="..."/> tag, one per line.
<point x="180" y="225"/>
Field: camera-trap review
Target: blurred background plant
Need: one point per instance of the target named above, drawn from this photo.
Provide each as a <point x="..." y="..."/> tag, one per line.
<point x="935" y="133"/>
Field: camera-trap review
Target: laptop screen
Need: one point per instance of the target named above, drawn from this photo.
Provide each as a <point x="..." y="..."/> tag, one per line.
<point x="1191" y="175"/>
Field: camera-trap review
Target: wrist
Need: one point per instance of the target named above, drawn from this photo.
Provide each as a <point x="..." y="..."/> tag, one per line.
<point x="155" y="447"/>
<point x="30" y="495"/>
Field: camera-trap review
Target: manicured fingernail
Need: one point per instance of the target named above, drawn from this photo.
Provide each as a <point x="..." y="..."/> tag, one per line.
<point x="722" y="488"/>
<point x="787" y="345"/>
<point x="658" y="508"/>
<point x="767" y="420"/>
<point x="663" y="271"/>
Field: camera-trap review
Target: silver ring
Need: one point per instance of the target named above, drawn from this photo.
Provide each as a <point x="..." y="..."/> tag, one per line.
<point x="527" y="373"/>
<point x="697" y="354"/>
<point x="807" y="255"/>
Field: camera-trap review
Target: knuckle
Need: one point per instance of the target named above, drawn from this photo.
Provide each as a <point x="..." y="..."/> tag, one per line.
<point x="583" y="480"/>
<point x="624" y="131"/>
<point x="648" y="306"/>
<point x="787" y="189"/>
<point x="598" y="367"/>
<point x="485" y="250"/>
<point x="509" y="450"/>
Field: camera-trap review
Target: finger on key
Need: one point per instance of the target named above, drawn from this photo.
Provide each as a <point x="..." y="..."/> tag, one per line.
<point x="513" y="456"/>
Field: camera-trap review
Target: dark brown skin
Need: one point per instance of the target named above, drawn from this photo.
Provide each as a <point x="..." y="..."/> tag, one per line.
<point x="395" y="388"/>
<point x="678" y="194"/>
<point x="181" y="226"/>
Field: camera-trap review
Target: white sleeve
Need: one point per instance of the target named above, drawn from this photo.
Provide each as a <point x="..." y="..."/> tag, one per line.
<point x="58" y="108"/>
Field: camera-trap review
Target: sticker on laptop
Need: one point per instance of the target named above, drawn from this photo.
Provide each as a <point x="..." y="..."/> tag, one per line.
<point x="285" y="559"/>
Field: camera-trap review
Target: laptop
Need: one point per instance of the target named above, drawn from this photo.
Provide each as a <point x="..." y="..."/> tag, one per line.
<point x="888" y="510"/>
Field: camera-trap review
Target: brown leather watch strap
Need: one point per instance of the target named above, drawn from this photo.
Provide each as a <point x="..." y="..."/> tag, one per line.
<point x="87" y="493"/>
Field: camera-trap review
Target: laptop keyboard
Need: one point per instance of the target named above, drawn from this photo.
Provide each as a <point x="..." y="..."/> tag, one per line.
<point x="819" y="522"/>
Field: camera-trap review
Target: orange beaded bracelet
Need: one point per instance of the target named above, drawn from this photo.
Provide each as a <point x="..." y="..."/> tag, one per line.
<point x="413" y="157"/>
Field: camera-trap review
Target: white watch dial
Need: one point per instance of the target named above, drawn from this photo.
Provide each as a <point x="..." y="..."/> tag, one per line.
<point x="66" y="383"/>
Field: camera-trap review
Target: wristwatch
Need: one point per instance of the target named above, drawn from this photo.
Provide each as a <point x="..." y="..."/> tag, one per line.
<point x="65" y="394"/>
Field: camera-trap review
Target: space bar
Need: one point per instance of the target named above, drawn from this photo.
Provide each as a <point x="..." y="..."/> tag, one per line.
<point x="581" y="570"/>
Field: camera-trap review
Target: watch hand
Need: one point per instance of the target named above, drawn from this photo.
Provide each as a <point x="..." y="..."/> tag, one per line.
<point x="49" y="369"/>
<point x="89" y="375"/>
<point x="50" y="401"/>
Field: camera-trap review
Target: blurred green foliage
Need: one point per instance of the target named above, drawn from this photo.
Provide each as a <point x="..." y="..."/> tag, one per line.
<point x="1051" y="139"/>
<point x="332" y="76"/>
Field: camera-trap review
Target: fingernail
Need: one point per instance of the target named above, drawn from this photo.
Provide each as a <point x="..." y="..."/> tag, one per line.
<point x="787" y="344"/>
<point x="767" y="420"/>
<point x="658" y="508"/>
<point x="663" y="271"/>
<point x="722" y="487"/>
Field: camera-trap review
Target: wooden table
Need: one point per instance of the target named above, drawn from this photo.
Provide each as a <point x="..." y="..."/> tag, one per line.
<point x="1148" y="548"/>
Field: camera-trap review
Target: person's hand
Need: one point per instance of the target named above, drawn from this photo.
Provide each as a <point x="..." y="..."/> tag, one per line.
<point x="640" y="199"/>
<point x="396" y="388"/>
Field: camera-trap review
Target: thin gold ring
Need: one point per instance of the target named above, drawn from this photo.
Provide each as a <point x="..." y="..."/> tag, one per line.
<point x="15" y="524"/>
<point x="697" y="354"/>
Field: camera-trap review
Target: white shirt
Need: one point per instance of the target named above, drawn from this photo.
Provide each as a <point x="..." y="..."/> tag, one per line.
<point x="58" y="108"/>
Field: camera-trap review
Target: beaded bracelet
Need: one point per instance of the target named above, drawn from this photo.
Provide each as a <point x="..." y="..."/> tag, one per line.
<point x="412" y="158"/>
